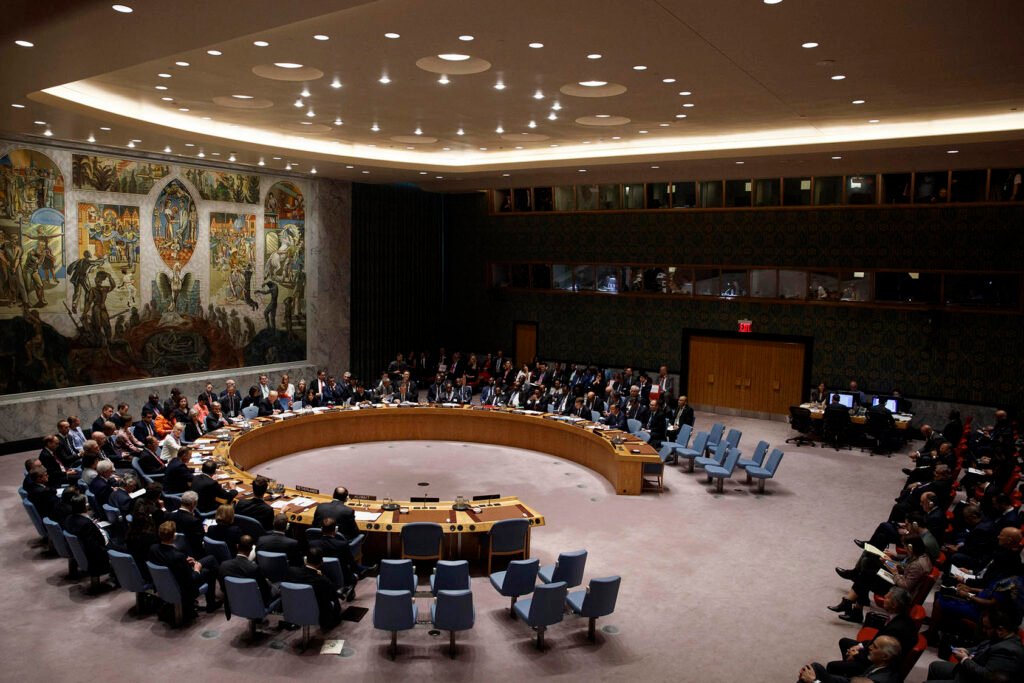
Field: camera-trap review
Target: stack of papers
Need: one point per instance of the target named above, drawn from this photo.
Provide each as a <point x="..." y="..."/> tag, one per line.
<point x="362" y="516"/>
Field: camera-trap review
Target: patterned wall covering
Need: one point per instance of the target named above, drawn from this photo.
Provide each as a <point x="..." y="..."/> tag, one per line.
<point x="977" y="357"/>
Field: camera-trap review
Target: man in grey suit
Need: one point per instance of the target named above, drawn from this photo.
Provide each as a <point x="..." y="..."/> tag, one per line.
<point x="999" y="658"/>
<point x="884" y="655"/>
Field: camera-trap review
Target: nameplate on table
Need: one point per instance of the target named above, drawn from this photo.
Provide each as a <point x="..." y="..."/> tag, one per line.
<point x="307" y="489"/>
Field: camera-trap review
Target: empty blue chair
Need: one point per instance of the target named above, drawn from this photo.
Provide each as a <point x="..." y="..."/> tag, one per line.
<point x="60" y="544"/>
<point x="396" y="575"/>
<point x="130" y="577"/>
<point x="168" y="590"/>
<point x="595" y="415"/>
<point x="633" y="426"/>
<point x="669" y="448"/>
<point x="699" y="444"/>
<point x="755" y="460"/>
<point x="394" y="611"/>
<point x="245" y="600"/>
<point x="219" y="549"/>
<point x="733" y="438"/>
<point x="422" y="541"/>
<point x="569" y="568"/>
<point x="545" y="608"/>
<point x="300" y="607"/>
<point x="723" y="472"/>
<point x="508" y="537"/>
<point x="718" y="456"/>
<point x="273" y="565"/>
<point x="715" y="435"/>
<point x="598" y="600"/>
<point x="453" y="611"/>
<point x="768" y="471"/>
<point x="332" y="570"/>
<point x="519" y="579"/>
<point x="33" y="514"/>
<point x="450" y="576"/>
<point x="249" y="526"/>
<point x="148" y="478"/>
<point x="250" y="412"/>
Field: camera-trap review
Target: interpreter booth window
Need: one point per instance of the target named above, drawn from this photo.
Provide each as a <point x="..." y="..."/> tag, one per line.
<point x="540" y="275"/>
<point x="657" y="196"/>
<point x="584" y="278"/>
<point x="796" y="191"/>
<point x="766" y="192"/>
<point x="1005" y="185"/>
<point x="860" y="189"/>
<point x="680" y="280"/>
<point x="793" y="284"/>
<point x="733" y="283"/>
<point x="705" y="282"/>
<point x="710" y="194"/>
<point x="737" y="192"/>
<point x="764" y="283"/>
<point x="968" y="186"/>
<point x="500" y="275"/>
<point x="908" y="287"/>
<point x="854" y="286"/>
<point x="824" y="285"/>
<point x="502" y="200"/>
<point x="983" y="290"/>
<point x="684" y="194"/>
<point x="565" y="198"/>
<point x="896" y="188"/>
<point x="655" y="280"/>
<point x="521" y="200"/>
<point x="930" y="187"/>
<point x="609" y="279"/>
<point x="561" y="277"/>
<point x="633" y="279"/>
<point x="633" y="196"/>
<point x="828" y="190"/>
<point x="520" y="276"/>
<point x="610" y="196"/>
<point x="586" y="197"/>
<point x="543" y="199"/>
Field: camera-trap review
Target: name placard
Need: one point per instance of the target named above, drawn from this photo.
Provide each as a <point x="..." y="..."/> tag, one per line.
<point x="306" y="489"/>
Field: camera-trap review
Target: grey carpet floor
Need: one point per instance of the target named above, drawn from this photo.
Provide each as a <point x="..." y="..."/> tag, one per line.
<point x="715" y="587"/>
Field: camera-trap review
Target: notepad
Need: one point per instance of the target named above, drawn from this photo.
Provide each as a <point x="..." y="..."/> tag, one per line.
<point x="959" y="574"/>
<point x="135" y="494"/>
<point x="868" y="548"/>
<point x="332" y="647"/>
<point x="362" y="516"/>
<point x="280" y="504"/>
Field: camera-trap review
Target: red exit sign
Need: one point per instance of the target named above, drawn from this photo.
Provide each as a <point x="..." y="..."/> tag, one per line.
<point x="745" y="325"/>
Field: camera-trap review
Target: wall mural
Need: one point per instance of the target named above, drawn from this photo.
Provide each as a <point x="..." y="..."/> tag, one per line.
<point x="122" y="309"/>
<point x="225" y="187"/>
<point x="107" y="174"/>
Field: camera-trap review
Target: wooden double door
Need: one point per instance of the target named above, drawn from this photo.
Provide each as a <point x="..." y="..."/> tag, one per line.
<point x="747" y="374"/>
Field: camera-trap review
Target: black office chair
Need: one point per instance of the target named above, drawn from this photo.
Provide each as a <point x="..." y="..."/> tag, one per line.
<point x="800" y="420"/>
<point x="881" y="431"/>
<point x="836" y="429"/>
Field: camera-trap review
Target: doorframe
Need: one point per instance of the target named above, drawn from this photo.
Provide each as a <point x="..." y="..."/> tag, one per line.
<point x="515" y="344"/>
<point x="690" y="332"/>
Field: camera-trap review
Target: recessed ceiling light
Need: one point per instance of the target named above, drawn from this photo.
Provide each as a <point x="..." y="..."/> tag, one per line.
<point x="772" y="2"/>
<point x="552" y="116"/>
<point x="418" y="131"/>
<point x="287" y="167"/>
<point x="837" y="157"/>
<point x="179" y="63"/>
<point x="594" y="55"/>
<point x="305" y="123"/>
<point x="536" y="46"/>
<point x="24" y="43"/>
<point x="214" y="53"/>
<point x="123" y="9"/>
<point x="345" y="167"/>
<point x="581" y="170"/>
<point x="39" y="123"/>
<point x="384" y="80"/>
<point x="539" y="95"/>
<point x="207" y="118"/>
<point x="586" y="142"/>
<point x="164" y="75"/>
<point x="365" y="172"/>
<point x="873" y="120"/>
<point x="505" y="175"/>
<point x="639" y="67"/>
<point x="260" y="43"/>
<point x="466" y="38"/>
<point x="183" y="109"/>
<point x="91" y="138"/>
<point x="655" y="166"/>
<point x="232" y="157"/>
<point x="553" y="145"/>
<point x="668" y="80"/>
<point x="335" y="84"/>
<point x="857" y="102"/>
<point x="460" y="132"/>
<point x="602" y="116"/>
<point x="446" y="149"/>
<point x="531" y="124"/>
<point x="616" y="137"/>
<point x="740" y="163"/>
<point x="593" y="84"/>
<point x="680" y="116"/>
<point x="313" y="170"/>
<point x="321" y="36"/>
<point x="137" y="140"/>
<point x="261" y="162"/>
<point x="48" y="133"/>
<point x="519" y="146"/>
<point x="499" y="130"/>
<point x="454" y="57"/>
<point x="952" y="151"/>
<point x="189" y="144"/>
<point x="167" y="149"/>
<point x="556" y="106"/>
<point x="643" y="132"/>
<point x="242" y="97"/>
<point x="410" y="147"/>
<point x="499" y="85"/>
<point x="375" y="128"/>
<point x="288" y="65"/>
<point x="809" y="45"/>
<point x="310" y="113"/>
<point x="131" y="144"/>
<point x="216" y="154"/>
<point x="338" y="121"/>
<point x="201" y="155"/>
<point x="104" y="128"/>
<point x="439" y="177"/>
<point x="685" y="93"/>
<point x="483" y="149"/>
<point x="298" y="104"/>
<point x="392" y="36"/>
<point x="18" y="106"/>
<point x="160" y="87"/>
<point x="689" y="104"/>
<point x="838" y="77"/>
<point x="443" y="80"/>
<point x="663" y="125"/>
<point x="167" y="99"/>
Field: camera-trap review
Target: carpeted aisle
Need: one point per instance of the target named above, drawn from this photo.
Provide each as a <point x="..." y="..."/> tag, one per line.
<point x="715" y="587"/>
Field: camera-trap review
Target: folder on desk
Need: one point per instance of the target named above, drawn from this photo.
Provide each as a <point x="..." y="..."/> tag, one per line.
<point x="362" y="516"/>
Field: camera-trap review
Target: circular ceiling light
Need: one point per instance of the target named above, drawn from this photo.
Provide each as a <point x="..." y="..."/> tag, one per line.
<point x="261" y="43"/>
<point x="836" y="157"/>
<point x="594" y="55"/>
<point x="685" y="93"/>
<point x="184" y="109"/>
<point x="243" y="97"/>
<point x="123" y="9"/>
<point x="418" y="139"/>
<point x="952" y="151"/>
<point x="838" y="77"/>
<point x="465" y="38"/>
<point x="305" y="92"/>
<point x="809" y="45"/>
<point x="18" y="106"/>
<point x="306" y="127"/>
<point x="539" y="95"/>
<point x="680" y="116"/>
<point x="643" y="132"/>
<point x="321" y="36"/>
<point x="602" y="120"/>
<point x="740" y="163"/>
<point x="167" y="149"/>
<point x="439" y="64"/>
<point x="593" y="84"/>
<point x="214" y="53"/>
<point x="393" y="36"/>
<point x="873" y="121"/>
<point x="104" y="127"/>
<point x="857" y="102"/>
<point x="536" y="46"/>
<point x="552" y="116"/>
<point x="275" y="72"/>
<point x="454" y="57"/>
<point x="288" y="65"/>
<point x="24" y="43"/>
<point x="384" y="80"/>
<point x="164" y="75"/>
<point x="668" y="80"/>
<point x="444" y="80"/>
<point x="639" y="67"/>
<point x="180" y="63"/>
<point x="771" y="2"/>
<point x="689" y="104"/>
<point x="160" y="87"/>
<point x="167" y="99"/>
<point x="335" y="84"/>
<point x="499" y="86"/>
<point x="244" y="102"/>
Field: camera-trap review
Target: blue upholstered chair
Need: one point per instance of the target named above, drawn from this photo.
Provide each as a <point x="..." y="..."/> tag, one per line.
<point x="768" y="471"/>
<point x="508" y="537"/>
<point x="396" y="575"/>
<point x="245" y="600"/>
<point x="355" y="546"/>
<point x="273" y="565"/>
<point x="733" y="438"/>
<point x="633" y="426"/>
<point x="519" y="579"/>
<point x="147" y="478"/>
<point x="22" y="493"/>
<point x="82" y="560"/>
<point x="691" y="454"/>
<point x="450" y="576"/>
<point x="130" y="577"/>
<point x="394" y="611"/>
<point x="250" y="412"/>
<point x="669" y="449"/>
<point x="755" y="460"/>
<point x="544" y="608"/>
<point x="249" y="526"/>
<point x="312" y="534"/>
<point x="60" y="545"/>
<point x="715" y="435"/>
<point x="300" y="607"/>
<point x="33" y="515"/>
<point x="332" y="570"/>
<point x="724" y="471"/>
<point x="453" y="611"/>
<point x="569" y="568"/>
<point x="172" y="501"/>
<point x="219" y="549"/>
<point x="168" y="590"/>
<point x="656" y="470"/>
<point x="717" y="457"/>
<point x="595" y="415"/>
<point x="598" y="600"/>
<point x="422" y="541"/>
<point x="94" y="505"/>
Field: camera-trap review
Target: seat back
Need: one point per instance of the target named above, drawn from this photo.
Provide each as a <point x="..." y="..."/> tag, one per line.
<point x="56" y="536"/>
<point x="166" y="587"/>
<point x="249" y="526"/>
<point x="700" y="442"/>
<point x="570" y="568"/>
<point x="547" y="605"/>
<point x="393" y="610"/>
<point x="138" y="470"/>
<point x="633" y="426"/>
<point x="836" y="421"/>
<point x="454" y="610"/>
<point x="77" y="551"/>
<point x="313" y="534"/>
<point x="332" y="570"/>
<point x="219" y="549"/>
<point x="299" y="602"/>
<point x="520" y="577"/>
<point x="601" y="596"/>
<point x="721" y="452"/>
<point x="733" y="438"/>
<point x="22" y="492"/>
<point x="759" y="452"/>
<point x="773" y="461"/>
<point x="244" y="597"/>
<point x="716" y="432"/>
<point x="273" y="565"/>
<point x="94" y="505"/>
<point x="595" y="416"/>
<point x="396" y="575"/>
<point x="422" y="539"/>
<point x="172" y="501"/>
<point x="683" y="437"/>
<point x="33" y="514"/>
<point x="509" y="535"/>
<point x="730" y="461"/>
<point x="355" y="545"/>
<point x="800" y="419"/>
<point x="250" y="412"/>
<point x="111" y="514"/>
<point x="451" y="576"/>
<point x="910" y="658"/>
<point x="127" y="572"/>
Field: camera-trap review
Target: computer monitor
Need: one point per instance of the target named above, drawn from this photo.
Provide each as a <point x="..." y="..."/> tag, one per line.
<point x="890" y="402"/>
<point x="845" y="398"/>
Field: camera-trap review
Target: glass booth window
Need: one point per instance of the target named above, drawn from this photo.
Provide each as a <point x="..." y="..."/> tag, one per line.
<point x="828" y="190"/>
<point x="540" y="274"/>
<point x="733" y="283"/>
<point x="710" y="193"/>
<point x="854" y="286"/>
<point x="796" y="191"/>
<point x="543" y="199"/>
<point x="657" y="196"/>
<point x="609" y="279"/>
<point x="705" y="282"/>
<point x="983" y="289"/>
<point x="561" y="277"/>
<point x="968" y="186"/>
<point x="521" y="200"/>
<point x="680" y="280"/>
<point x="565" y="198"/>
<point x="586" y="197"/>
<point x="930" y="187"/>
<point x="908" y="287"/>
<point x="766" y="192"/>
<point x="764" y="283"/>
<point x="737" y="192"/>
<point x="684" y="194"/>
<point x="609" y="197"/>
<point x="824" y="285"/>
<point x="633" y="194"/>
<point x="860" y="189"/>
<point x="500" y="275"/>
<point x="584" y="278"/>
<point x="895" y="188"/>
<point x="520" y="276"/>
<point x="1005" y="185"/>
<point x="502" y="200"/>
<point x="793" y="284"/>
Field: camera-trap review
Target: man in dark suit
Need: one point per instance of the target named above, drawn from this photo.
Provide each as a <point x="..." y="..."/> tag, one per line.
<point x="463" y="392"/>
<point x="144" y="427"/>
<point x="256" y="507"/>
<point x="616" y="419"/>
<point x="189" y="523"/>
<point x="103" y="484"/>
<point x="268" y="405"/>
<point x="105" y="416"/>
<point x="900" y="627"/>
<point x="319" y="385"/>
<point x="656" y="424"/>
<point x="579" y="409"/>
<point x="179" y="476"/>
<point x="211" y="493"/>
<point x="405" y="393"/>
<point x="40" y="493"/>
<point x="332" y="545"/>
<point x="66" y="450"/>
<point x="594" y="402"/>
<point x="90" y="536"/>
<point x="343" y="515"/>
<point x="59" y="474"/>
<point x="516" y="396"/>
<point x="999" y="658"/>
<point x="435" y="390"/>
<point x="241" y="567"/>
<point x="278" y="542"/>
<point x="215" y="420"/>
<point x="883" y="656"/>
<point x="149" y="461"/>
<point x="230" y="400"/>
<point x="683" y="414"/>
<point x="311" y="574"/>
<point x="189" y="573"/>
<point x="209" y="394"/>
